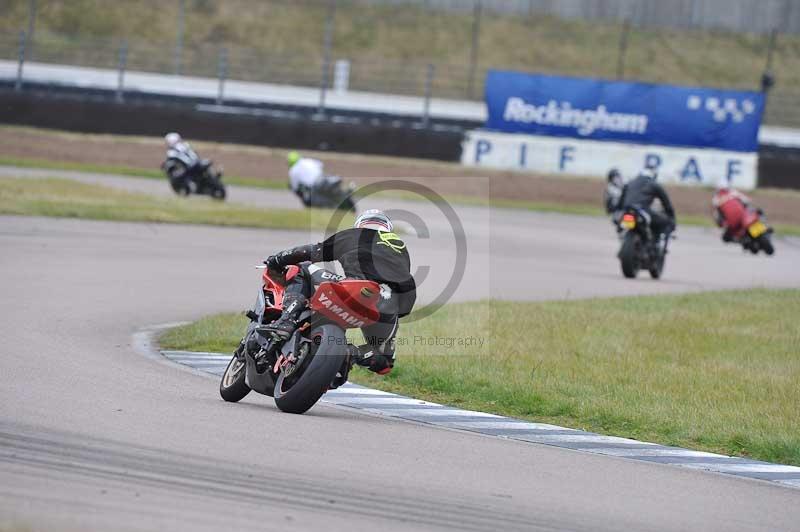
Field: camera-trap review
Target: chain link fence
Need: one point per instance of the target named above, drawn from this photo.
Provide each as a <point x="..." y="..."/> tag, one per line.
<point x="424" y="51"/>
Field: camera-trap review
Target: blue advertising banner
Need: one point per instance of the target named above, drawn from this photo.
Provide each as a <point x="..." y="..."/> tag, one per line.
<point x="642" y="113"/>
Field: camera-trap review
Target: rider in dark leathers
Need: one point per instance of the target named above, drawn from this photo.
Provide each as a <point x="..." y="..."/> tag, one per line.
<point x="642" y="192"/>
<point x="370" y="250"/>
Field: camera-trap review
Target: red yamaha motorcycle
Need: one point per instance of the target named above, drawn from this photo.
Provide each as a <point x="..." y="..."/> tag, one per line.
<point x="299" y="370"/>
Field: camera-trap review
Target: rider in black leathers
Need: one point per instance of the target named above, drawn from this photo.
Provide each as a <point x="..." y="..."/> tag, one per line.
<point x="370" y="250"/>
<point x="641" y="192"/>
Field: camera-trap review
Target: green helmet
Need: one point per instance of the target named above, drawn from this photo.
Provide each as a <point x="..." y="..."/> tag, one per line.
<point x="292" y="158"/>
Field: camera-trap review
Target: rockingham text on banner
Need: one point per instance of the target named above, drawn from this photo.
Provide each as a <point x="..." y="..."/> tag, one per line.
<point x="642" y="113"/>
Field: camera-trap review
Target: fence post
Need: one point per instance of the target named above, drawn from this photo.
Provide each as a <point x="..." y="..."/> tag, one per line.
<point x="31" y="26"/>
<point x="179" y="37"/>
<point x="473" y="54"/>
<point x="222" y="72"/>
<point x="20" y="65"/>
<point x="122" y="63"/>
<point x="623" y="48"/>
<point x="773" y="42"/>
<point x="327" y="44"/>
<point x="429" y="75"/>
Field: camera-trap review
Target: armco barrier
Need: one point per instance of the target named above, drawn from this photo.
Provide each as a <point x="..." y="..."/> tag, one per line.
<point x="98" y="112"/>
<point x="779" y="167"/>
<point x="95" y="111"/>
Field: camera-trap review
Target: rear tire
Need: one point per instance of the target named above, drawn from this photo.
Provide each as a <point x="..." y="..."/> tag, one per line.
<point x="232" y="387"/>
<point x="766" y="244"/>
<point x="218" y="193"/>
<point x="318" y="373"/>
<point x="629" y="256"/>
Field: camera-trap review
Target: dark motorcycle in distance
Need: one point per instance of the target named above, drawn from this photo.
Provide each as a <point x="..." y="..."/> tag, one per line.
<point x="297" y="371"/>
<point x="640" y="249"/>
<point x="199" y="178"/>
<point x="329" y="194"/>
<point x="755" y="235"/>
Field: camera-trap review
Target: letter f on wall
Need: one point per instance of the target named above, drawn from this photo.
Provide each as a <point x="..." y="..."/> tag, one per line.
<point x="566" y="156"/>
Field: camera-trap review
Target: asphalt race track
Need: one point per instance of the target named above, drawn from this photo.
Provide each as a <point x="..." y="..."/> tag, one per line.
<point x="95" y="436"/>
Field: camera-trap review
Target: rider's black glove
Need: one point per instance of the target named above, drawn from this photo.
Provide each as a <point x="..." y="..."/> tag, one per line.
<point x="274" y="263"/>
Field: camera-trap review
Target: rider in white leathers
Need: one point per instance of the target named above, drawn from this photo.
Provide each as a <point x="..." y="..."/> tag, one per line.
<point x="308" y="180"/>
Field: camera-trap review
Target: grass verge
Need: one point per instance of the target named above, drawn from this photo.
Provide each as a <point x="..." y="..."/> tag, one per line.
<point x="717" y="371"/>
<point x="538" y="206"/>
<point x="130" y="171"/>
<point x="64" y="198"/>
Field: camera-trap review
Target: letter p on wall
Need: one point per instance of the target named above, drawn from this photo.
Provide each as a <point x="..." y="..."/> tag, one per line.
<point x="482" y="147"/>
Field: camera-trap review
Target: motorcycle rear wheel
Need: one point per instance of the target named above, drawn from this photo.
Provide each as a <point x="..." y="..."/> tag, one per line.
<point x="629" y="256"/>
<point x="765" y="242"/>
<point x="296" y="395"/>
<point x="180" y="186"/>
<point x="232" y="386"/>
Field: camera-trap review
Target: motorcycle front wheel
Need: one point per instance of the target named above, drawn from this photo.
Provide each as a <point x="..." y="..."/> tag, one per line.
<point x="298" y="392"/>
<point x="233" y="387"/>
<point x="218" y="193"/>
<point x="657" y="266"/>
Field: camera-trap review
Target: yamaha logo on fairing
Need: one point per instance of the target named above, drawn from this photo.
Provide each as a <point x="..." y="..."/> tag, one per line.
<point x="340" y="312"/>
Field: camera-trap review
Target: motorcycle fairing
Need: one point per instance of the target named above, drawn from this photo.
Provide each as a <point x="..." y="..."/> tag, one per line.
<point x="351" y="303"/>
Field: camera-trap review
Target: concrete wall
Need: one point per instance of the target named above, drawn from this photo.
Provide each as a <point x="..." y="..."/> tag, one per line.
<point x="552" y="155"/>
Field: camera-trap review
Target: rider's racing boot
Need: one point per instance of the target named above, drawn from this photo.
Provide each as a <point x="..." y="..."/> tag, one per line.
<point x="293" y="305"/>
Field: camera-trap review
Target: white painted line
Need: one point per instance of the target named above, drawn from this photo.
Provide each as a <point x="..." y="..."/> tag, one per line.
<point x="360" y="397"/>
<point x="360" y="391"/>
<point x="195" y="353"/>
<point x="199" y="360"/>
<point x="582" y="438"/>
<point x="745" y="468"/>
<point x="197" y="357"/>
<point x="656" y="452"/>
<point x="438" y="412"/>
<point x="390" y="399"/>
<point x="505" y="425"/>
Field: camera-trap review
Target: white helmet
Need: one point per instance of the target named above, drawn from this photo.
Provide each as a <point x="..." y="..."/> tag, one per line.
<point x="373" y="219"/>
<point x="172" y="139"/>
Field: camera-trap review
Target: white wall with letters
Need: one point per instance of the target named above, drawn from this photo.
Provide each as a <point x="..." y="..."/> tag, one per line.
<point x="555" y="155"/>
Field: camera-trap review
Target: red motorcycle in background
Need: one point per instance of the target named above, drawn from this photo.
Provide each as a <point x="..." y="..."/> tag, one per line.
<point x="299" y="370"/>
<point x="742" y="223"/>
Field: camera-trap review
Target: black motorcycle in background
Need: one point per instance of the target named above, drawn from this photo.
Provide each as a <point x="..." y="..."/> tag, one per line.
<point x="189" y="177"/>
<point x="330" y="193"/>
<point x="641" y="249"/>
